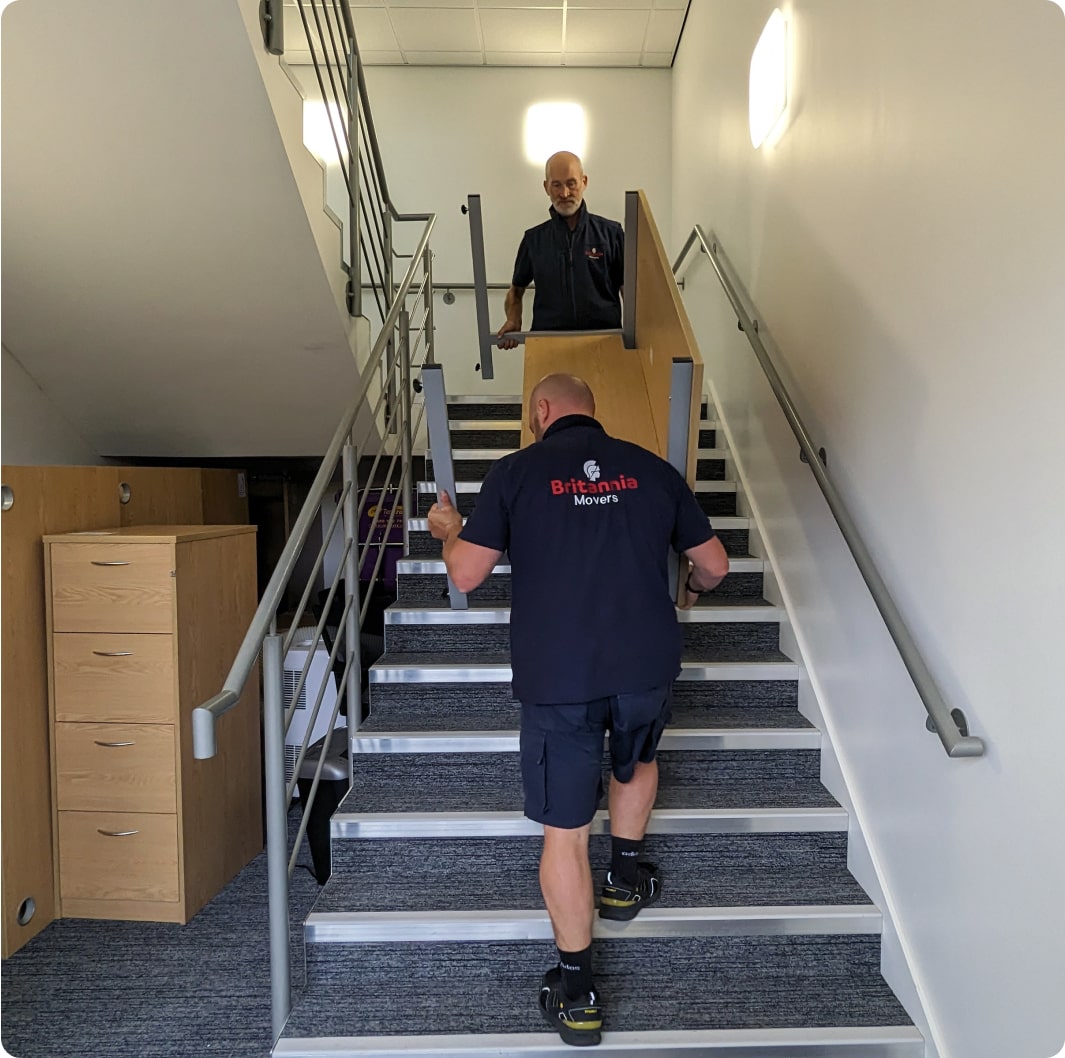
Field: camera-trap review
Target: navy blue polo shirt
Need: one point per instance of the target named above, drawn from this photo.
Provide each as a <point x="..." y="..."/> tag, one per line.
<point x="578" y="274"/>
<point x="588" y="521"/>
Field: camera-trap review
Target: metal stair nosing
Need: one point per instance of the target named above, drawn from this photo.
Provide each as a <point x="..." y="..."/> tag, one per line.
<point x="903" y="1041"/>
<point x="459" y="671"/>
<point x="674" y="738"/>
<point x="515" y="824"/>
<point x="374" y="927"/>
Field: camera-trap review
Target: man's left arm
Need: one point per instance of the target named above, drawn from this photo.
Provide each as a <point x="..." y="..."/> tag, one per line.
<point x="467" y="564"/>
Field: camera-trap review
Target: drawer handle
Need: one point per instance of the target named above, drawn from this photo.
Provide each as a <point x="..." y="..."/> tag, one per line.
<point x="113" y="653"/>
<point x="113" y="744"/>
<point x="95" y="563"/>
<point x="117" y="833"/>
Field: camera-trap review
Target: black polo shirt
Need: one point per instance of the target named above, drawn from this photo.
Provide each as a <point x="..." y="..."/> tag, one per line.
<point x="588" y="521"/>
<point x="578" y="274"/>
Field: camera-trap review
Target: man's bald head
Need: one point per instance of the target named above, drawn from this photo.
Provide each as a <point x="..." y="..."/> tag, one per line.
<point x="555" y="396"/>
<point x="564" y="161"/>
<point x="564" y="182"/>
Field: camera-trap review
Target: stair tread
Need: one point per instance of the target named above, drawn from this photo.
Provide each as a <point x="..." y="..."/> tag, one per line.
<point x="745" y="870"/>
<point x="464" y="782"/>
<point x="506" y="718"/>
<point x="408" y="659"/>
<point x="489" y="987"/>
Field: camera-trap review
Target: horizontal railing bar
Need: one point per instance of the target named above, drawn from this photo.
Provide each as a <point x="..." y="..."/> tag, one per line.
<point x="954" y="742"/>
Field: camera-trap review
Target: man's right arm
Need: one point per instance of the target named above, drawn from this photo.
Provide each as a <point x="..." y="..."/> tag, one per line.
<point x="709" y="567"/>
<point x="512" y="304"/>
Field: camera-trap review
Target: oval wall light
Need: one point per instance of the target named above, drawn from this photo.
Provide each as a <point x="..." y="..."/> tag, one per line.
<point x="769" y="79"/>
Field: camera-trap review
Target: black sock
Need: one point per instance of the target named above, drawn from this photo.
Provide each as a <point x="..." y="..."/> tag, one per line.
<point x="624" y="858"/>
<point x="576" y="972"/>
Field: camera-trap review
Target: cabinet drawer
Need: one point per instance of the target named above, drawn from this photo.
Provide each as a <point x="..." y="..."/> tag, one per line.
<point x="98" y="587"/>
<point x="115" y="767"/>
<point x="139" y="864"/>
<point x="114" y="677"/>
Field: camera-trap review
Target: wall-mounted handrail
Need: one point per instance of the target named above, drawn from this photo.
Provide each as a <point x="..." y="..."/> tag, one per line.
<point x="949" y="724"/>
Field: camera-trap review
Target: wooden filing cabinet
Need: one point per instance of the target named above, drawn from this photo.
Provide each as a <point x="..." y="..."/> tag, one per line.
<point x="143" y="624"/>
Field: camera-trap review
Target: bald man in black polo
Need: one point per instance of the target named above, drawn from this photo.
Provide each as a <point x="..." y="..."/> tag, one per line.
<point x="587" y="521"/>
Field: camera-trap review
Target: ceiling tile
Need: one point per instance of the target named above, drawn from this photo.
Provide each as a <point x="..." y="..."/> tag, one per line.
<point x="598" y="31"/>
<point x="602" y="58"/>
<point x="527" y="30"/>
<point x="445" y="58"/>
<point x="664" y="30"/>
<point x="426" y="29"/>
<point x="657" y="58"/>
<point x="373" y="29"/>
<point x="676" y="5"/>
<point x="524" y="58"/>
<point x="554" y="5"/>
<point x="439" y="4"/>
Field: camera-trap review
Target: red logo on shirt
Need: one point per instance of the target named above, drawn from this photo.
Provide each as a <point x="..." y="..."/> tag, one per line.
<point x="575" y="487"/>
<point x="594" y="254"/>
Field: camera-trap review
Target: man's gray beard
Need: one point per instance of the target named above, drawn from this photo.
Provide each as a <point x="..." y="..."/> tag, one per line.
<point x="566" y="208"/>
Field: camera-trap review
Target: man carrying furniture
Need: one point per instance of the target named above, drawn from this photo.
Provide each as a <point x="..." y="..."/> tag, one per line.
<point x="576" y="260"/>
<point x="587" y="521"/>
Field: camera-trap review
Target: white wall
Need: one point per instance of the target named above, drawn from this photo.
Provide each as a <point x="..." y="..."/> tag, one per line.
<point x="904" y="243"/>
<point x="449" y="133"/>
<point x="34" y="431"/>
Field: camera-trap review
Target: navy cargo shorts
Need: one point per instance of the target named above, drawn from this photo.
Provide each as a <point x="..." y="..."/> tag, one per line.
<point x="562" y="751"/>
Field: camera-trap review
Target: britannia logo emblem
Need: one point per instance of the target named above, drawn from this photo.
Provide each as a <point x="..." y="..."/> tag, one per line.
<point x="592" y="471"/>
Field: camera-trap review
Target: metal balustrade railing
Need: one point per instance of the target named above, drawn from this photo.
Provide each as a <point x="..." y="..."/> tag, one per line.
<point x="371" y="455"/>
<point x="949" y="724"/>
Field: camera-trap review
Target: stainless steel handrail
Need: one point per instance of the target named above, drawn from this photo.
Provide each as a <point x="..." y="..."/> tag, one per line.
<point x="949" y="724"/>
<point x="205" y="716"/>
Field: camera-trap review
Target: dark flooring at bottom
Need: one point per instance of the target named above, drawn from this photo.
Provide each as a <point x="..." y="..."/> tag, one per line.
<point x="100" y="989"/>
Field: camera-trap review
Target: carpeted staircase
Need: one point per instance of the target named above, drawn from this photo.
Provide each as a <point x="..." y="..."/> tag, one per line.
<point x="430" y="937"/>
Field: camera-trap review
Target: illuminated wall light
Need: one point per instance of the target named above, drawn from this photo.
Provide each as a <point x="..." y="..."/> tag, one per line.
<point x="551" y="127"/>
<point x="317" y="133"/>
<point x="769" y="79"/>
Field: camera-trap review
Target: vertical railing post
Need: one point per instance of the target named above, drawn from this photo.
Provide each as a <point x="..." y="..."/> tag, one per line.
<point x="680" y="407"/>
<point x="430" y="325"/>
<point x="352" y="643"/>
<point x="354" y="152"/>
<point x="406" y="439"/>
<point x="440" y="446"/>
<point x="276" y="830"/>
<point x="628" y="295"/>
<point x="480" y="286"/>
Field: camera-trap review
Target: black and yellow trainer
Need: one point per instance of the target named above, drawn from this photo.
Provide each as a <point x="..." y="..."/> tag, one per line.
<point x="620" y="901"/>
<point x="578" y="1021"/>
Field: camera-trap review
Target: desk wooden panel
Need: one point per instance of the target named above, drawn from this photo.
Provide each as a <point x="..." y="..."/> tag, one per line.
<point x="615" y="374"/>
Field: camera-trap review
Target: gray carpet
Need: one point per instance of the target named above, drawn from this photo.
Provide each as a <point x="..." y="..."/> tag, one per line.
<point x="699" y="870"/>
<point x="686" y="983"/>
<point x="96" y="989"/>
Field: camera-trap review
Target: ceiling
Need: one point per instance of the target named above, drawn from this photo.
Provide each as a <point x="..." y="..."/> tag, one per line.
<point x="613" y="33"/>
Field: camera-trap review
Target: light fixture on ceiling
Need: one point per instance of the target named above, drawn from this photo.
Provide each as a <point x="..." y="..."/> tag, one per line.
<point x="769" y="79"/>
<point x="551" y="127"/>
